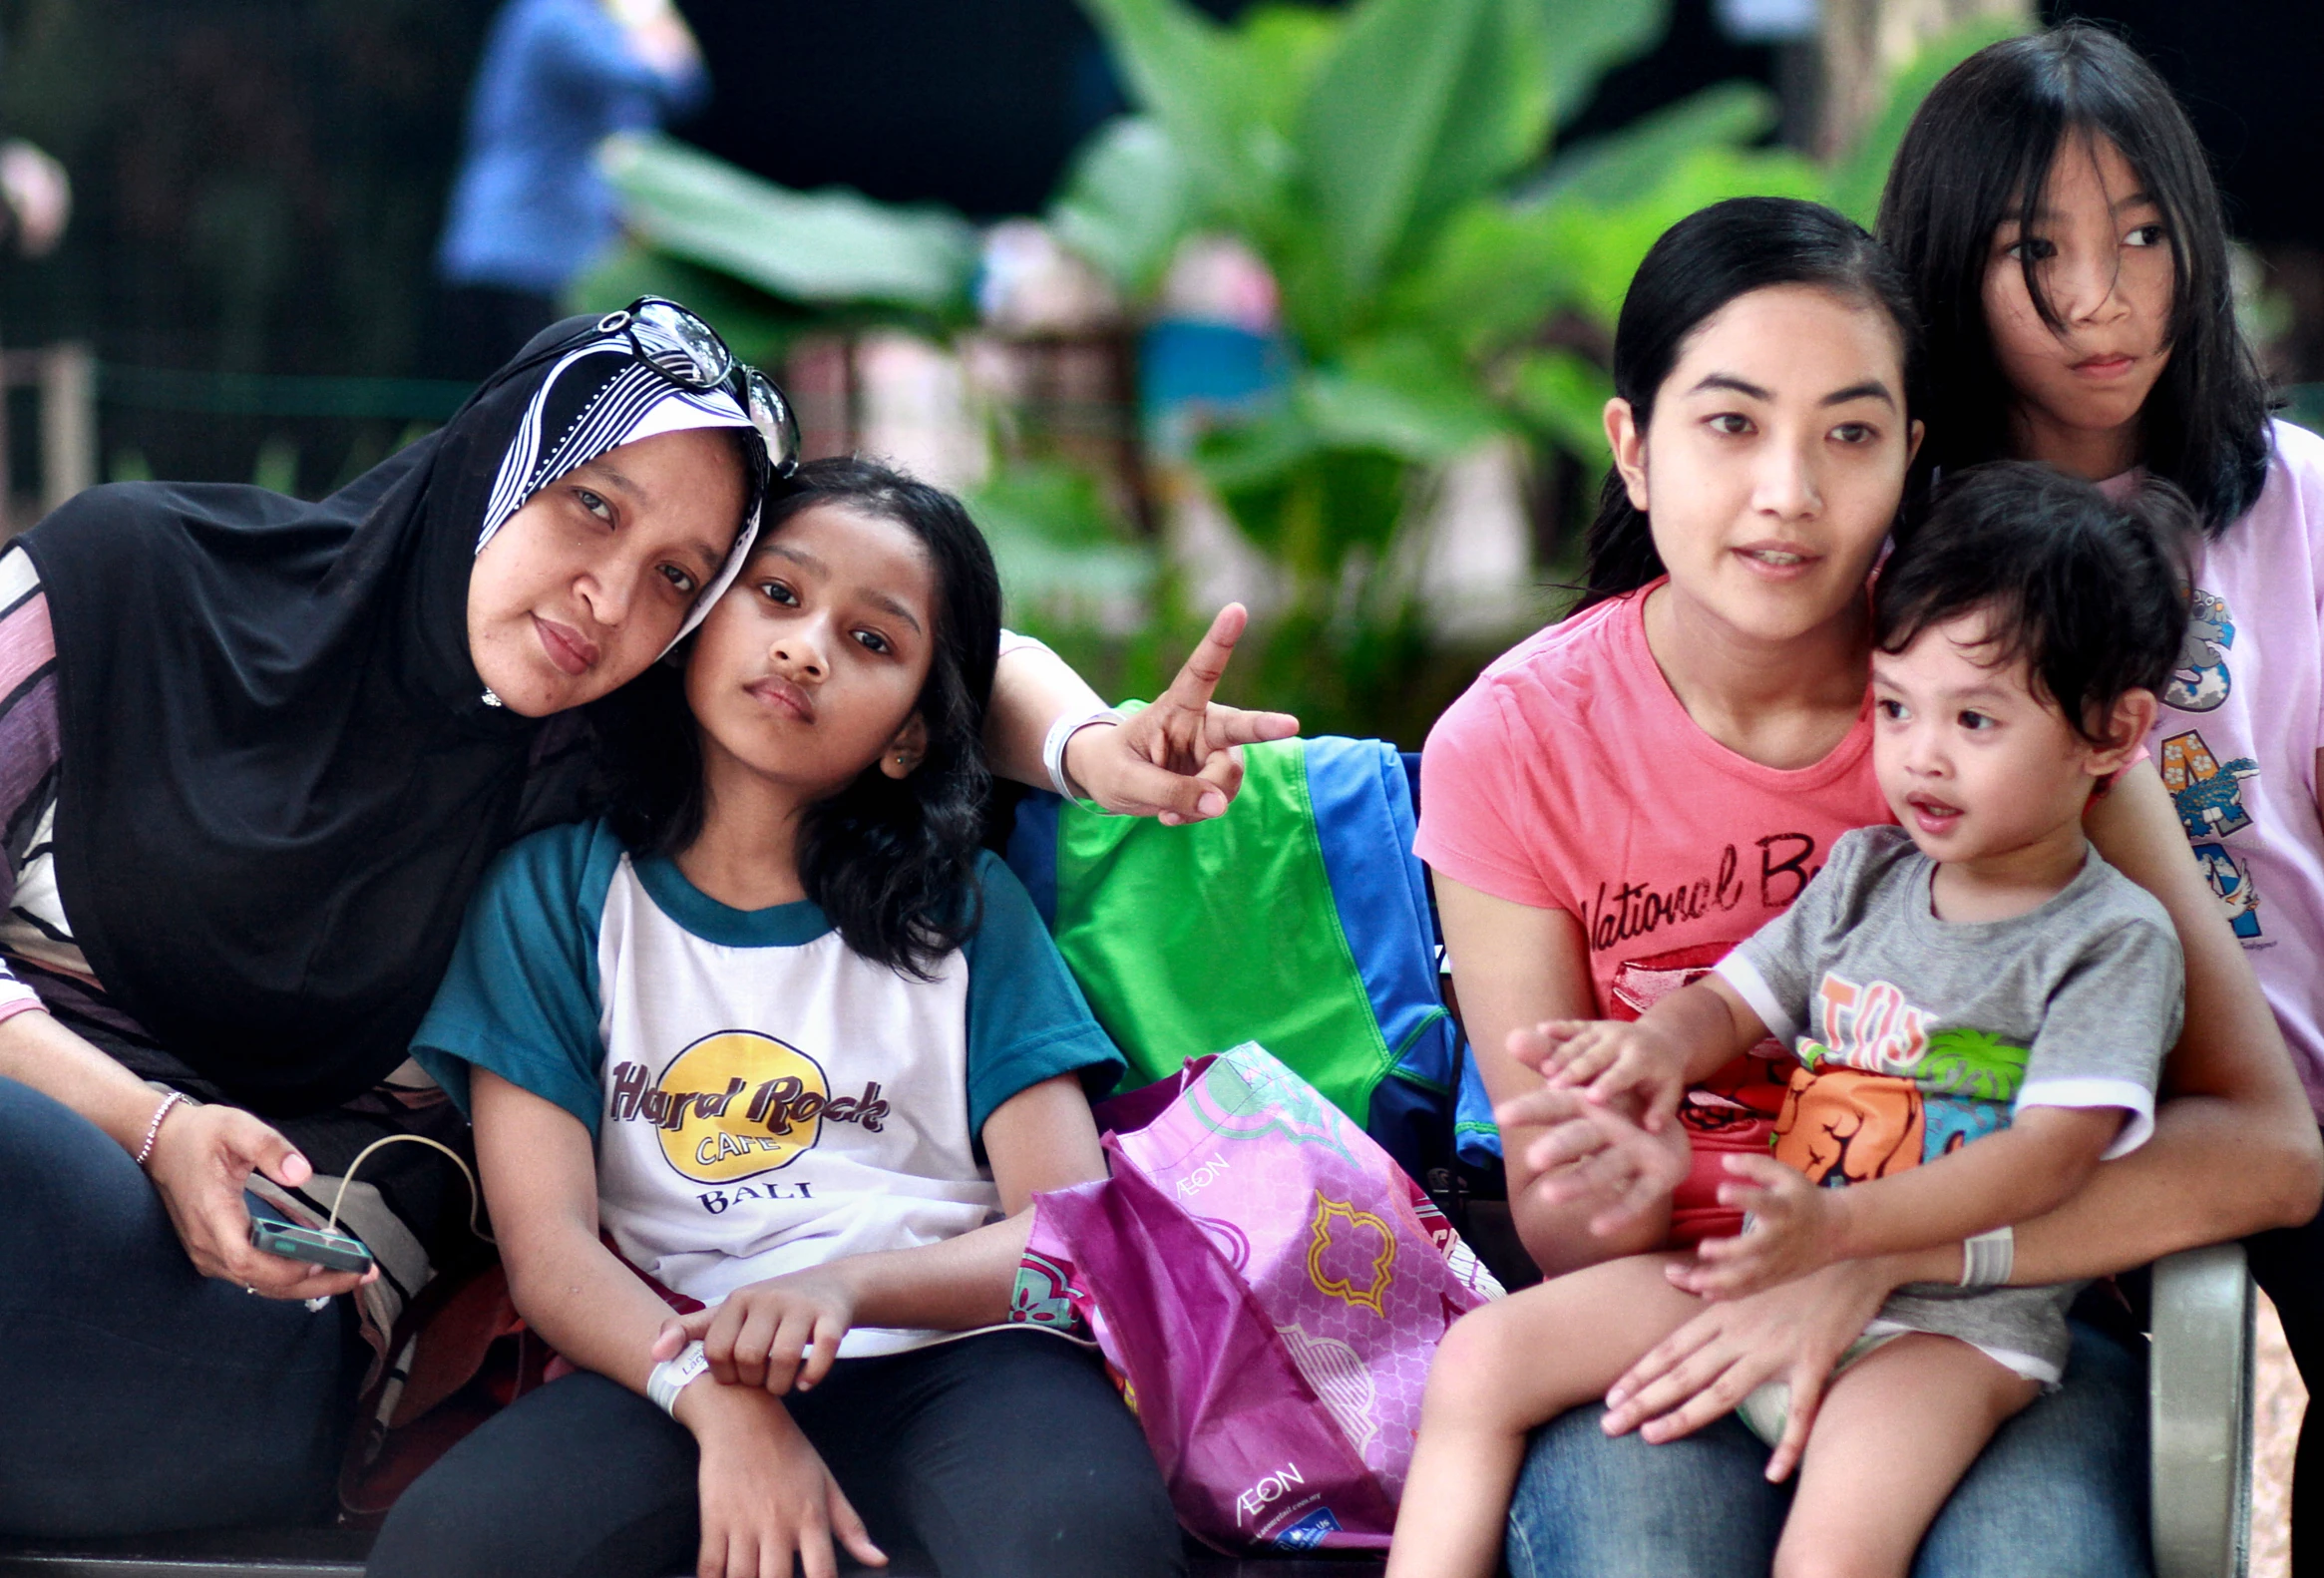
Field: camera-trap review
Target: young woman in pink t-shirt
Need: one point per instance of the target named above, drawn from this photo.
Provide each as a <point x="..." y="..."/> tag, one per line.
<point x="1626" y="794"/>
<point x="2056" y="218"/>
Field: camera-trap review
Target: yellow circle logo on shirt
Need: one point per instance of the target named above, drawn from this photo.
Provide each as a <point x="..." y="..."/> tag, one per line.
<point x="737" y="1104"/>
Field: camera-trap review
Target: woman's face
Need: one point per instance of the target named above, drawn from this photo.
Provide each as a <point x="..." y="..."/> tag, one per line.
<point x="810" y="667"/>
<point x="590" y="582"/>
<point x="1776" y="458"/>
<point x="2103" y="258"/>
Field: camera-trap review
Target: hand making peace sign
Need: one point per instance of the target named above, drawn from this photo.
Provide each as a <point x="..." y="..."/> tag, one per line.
<point x="1177" y="759"/>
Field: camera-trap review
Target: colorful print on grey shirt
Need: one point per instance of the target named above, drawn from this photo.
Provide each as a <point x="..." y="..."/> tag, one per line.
<point x="1916" y="1036"/>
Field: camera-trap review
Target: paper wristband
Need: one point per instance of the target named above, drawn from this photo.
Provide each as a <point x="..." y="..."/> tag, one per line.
<point x="673" y="1375"/>
<point x="1986" y="1260"/>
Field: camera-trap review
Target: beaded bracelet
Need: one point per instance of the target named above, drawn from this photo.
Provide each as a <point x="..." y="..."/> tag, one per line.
<point x="154" y="1129"/>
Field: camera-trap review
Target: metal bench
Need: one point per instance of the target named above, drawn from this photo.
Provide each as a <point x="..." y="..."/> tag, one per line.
<point x="2199" y="1399"/>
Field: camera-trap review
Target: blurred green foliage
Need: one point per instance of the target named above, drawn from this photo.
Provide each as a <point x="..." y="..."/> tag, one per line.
<point x="1445" y="280"/>
<point x="1450" y="276"/>
<point x="765" y="261"/>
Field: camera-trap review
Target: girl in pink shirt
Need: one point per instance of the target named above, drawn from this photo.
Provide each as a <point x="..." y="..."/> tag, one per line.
<point x="2057" y="220"/>
<point x="1630" y="792"/>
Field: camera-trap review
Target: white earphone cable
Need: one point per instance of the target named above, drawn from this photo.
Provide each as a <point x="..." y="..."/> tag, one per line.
<point x="475" y="1195"/>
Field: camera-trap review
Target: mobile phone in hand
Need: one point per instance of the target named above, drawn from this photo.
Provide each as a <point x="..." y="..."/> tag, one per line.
<point x="311" y="1244"/>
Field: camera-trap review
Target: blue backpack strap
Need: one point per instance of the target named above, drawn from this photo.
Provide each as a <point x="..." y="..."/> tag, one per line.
<point x="1363" y="799"/>
<point x="1033" y="851"/>
<point x="1476" y="1137"/>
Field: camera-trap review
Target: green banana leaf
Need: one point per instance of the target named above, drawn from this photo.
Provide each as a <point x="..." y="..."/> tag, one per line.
<point x="1057" y="545"/>
<point x="1401" y="396"/>
<point x="1564" y="396"/>
<point x="1619" y="165"/>
<point x="1197" y="82"/>
<point x="1127" y="203"/>
<point x="1423" y="106"/>
<point x="821" y="249"/>
<point x="1596" y="247"/>
<point x="1588" y="38"/>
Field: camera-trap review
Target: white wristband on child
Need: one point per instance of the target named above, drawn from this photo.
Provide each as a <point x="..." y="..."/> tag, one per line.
<point x="1987" y="1258"/>
<point x="1053" y="746"/>
<point x="673" y="1375"/>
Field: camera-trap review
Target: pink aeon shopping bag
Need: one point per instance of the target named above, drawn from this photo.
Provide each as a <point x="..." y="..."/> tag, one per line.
<point x="1270" y="1287"/>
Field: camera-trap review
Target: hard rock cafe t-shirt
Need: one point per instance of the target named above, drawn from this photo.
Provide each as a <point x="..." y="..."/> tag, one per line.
<point x="763" y="1098"/>
<point x="1570" y="777"/>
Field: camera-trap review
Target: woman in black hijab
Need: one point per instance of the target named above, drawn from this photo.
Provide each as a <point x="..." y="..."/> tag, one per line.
<point x="255" y="754"/>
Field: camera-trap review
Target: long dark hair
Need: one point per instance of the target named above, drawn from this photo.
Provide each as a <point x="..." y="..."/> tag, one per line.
<point x="1699" y="264"/>
<point x="1978" y="154"/>
<point x="890" y="862"/>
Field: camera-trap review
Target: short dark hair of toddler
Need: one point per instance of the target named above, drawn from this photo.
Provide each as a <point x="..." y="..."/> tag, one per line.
<point x="2091" y="592"/>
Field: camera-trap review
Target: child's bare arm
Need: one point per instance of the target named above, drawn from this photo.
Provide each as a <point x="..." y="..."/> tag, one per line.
<point x="785" y="1331"/>
<point x="541" y="1180"/>
<point x="764" y="1493"/>
<point x="1687" y="1037"/>
<point x="2045" y="1156"/>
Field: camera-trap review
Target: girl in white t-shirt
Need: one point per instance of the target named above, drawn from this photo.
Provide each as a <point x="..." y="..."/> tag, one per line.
<point x="2055" y="216"/>
<point x="778" y="1044"/>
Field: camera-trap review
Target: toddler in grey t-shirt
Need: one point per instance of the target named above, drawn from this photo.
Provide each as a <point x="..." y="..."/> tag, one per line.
<point x="1917" y="1035"/>
<point x="1979" y="1005"/>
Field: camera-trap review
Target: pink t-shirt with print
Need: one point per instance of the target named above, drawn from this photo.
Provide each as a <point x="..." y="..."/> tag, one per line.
<point x="2237" y="736"/>
<point x="1570" y="777"/>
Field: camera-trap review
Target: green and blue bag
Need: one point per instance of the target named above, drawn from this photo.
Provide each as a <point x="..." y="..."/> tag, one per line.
<point x="1300" y="919"/>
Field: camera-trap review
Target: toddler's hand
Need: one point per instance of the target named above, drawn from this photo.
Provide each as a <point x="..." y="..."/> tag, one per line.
<point x="774" y="1334"/>
<point x="1797" y="1228"/>
<point x="1607" y="1058"/>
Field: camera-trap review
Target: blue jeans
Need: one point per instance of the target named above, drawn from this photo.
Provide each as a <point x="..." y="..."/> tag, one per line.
<point x="136" y="1394"/>
<point x="2060" y="1492"/>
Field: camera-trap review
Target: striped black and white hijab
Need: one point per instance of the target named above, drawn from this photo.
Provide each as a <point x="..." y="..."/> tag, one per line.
<point x="580" y="411"/>
<point x="284" y="777"/>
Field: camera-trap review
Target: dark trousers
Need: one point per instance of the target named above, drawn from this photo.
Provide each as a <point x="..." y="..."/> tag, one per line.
<point x="1005" y="1454"/>
<point x="2289" y="1264"/>
<point x="136" y="1394"/>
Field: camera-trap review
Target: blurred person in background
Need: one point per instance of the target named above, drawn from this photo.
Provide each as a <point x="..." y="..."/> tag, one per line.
<point x="36" y="197"/>
<point x="528" y="208"/>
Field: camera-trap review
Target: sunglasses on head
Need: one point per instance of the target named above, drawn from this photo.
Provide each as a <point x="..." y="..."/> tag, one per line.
<point x="677" y="344"/>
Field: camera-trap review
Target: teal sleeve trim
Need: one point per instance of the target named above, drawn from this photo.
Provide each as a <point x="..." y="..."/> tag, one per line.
<point x="521" y="998"/>
<point x="782" y="926"/>
<point x="1028" y="1019"/>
